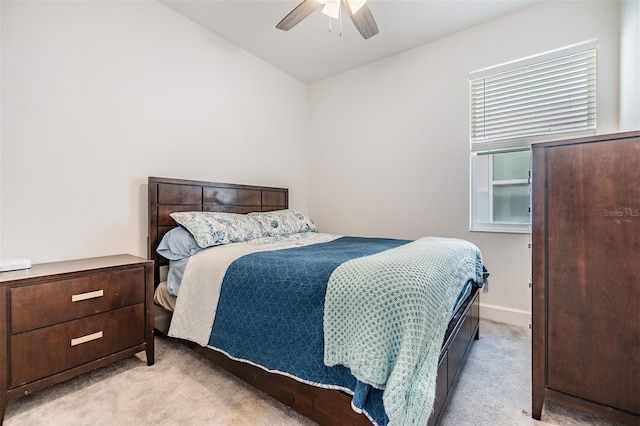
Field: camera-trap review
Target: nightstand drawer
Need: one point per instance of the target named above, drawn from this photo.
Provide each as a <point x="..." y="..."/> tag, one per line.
<point x="40" y="305"/>
<point x="46" y="351"/>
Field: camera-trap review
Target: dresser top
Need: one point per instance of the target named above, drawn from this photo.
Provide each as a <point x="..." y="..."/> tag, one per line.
<point x="62" y="268"/>
<point x="589" y="139"/>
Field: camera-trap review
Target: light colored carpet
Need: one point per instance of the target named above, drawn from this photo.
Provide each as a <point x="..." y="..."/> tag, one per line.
<point x="182" y="388"/>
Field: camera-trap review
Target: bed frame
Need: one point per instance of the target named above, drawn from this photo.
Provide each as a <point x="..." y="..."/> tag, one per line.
<point x="324" y="406"/>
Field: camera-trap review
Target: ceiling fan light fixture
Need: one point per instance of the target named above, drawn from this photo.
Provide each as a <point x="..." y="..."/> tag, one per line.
<point x="355" y="5"/>
<point x="332" y="8"/>
<point x="363" y="20"/>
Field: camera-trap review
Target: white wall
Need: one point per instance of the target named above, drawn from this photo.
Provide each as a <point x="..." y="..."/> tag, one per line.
<point x="390" y="148"/>
<point x="99" y="95"/>
<point x="629" y="65"/>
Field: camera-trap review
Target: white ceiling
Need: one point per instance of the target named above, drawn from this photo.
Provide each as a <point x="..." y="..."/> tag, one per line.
<point x="310" y="53"/>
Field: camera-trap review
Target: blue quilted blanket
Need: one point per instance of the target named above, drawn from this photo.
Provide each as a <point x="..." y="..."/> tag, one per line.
<point x="271" y="310"/>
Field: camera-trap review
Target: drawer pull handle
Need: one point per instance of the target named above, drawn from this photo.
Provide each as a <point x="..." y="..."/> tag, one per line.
<point x="88" y="295"/>
<point x="87" y="338"/>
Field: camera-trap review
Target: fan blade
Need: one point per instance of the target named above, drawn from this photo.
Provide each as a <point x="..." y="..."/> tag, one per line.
<point x="364" y="21"/>
<point x="300" y="12"/>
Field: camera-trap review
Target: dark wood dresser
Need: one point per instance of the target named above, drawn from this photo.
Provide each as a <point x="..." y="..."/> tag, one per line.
<point x="62" y="319"/>
<point x="586" y="275"/>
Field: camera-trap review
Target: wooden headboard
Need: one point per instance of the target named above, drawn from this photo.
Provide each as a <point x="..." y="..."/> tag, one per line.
<point x="178" y="195"/>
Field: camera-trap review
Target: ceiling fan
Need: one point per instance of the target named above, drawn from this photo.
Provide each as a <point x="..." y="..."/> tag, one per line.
<point x="357" y="9"/>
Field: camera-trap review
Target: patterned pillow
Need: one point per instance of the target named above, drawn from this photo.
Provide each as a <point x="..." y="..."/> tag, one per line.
<point x="284" y="222"/>
<point x="214" y="228"/>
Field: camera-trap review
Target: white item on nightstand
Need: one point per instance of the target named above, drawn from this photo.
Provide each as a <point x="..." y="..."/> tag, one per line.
<point x="14" y="264"/>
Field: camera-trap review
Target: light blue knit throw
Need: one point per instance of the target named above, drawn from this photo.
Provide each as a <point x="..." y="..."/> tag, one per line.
<point x="386" y="316"/>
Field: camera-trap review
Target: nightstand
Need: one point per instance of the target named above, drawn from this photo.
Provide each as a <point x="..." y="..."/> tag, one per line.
<point x="62" y="319"/>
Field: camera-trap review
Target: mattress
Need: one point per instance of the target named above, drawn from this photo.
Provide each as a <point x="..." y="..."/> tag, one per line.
<point x="162" y="297"/>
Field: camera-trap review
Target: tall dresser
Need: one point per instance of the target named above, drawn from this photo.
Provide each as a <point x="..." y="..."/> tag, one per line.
<point x="586" y="275"/>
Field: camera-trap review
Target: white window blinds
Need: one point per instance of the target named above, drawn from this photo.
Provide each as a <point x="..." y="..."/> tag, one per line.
<point x="543" y="99"/>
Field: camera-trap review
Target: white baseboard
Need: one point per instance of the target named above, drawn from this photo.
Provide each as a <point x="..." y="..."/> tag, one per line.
<point x="505" y="315"/>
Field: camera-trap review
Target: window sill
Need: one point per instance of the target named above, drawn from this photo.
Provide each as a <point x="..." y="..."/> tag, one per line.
<point x="501" y="228"/>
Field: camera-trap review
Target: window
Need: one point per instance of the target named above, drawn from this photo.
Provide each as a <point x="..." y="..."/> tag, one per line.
<point x="540" y="98"/>
<point x="502" y="189"/>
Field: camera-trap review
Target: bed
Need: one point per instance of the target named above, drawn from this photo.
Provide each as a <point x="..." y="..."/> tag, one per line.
<point x="336" y="397"/>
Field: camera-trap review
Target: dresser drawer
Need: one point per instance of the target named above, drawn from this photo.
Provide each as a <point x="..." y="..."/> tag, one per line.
<point x="40" y="305"/>
<point x="46" y="351"/>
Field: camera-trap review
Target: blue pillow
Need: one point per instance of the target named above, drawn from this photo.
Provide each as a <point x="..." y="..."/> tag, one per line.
<point x="174" y="278"/>
<point x="178" y="244"/>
